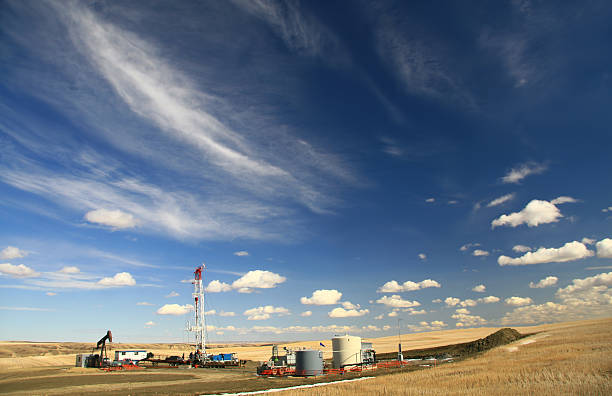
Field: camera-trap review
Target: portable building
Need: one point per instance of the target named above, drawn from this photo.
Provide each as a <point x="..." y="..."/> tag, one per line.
<point x="133" y="355"/>
<point x="81" y="359"/>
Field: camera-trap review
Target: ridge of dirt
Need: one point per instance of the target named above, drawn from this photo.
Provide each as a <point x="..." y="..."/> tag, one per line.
<point x="501" y="337"/>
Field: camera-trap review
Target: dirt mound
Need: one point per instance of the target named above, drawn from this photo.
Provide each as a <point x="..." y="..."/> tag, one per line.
<point x="500" y="337"/>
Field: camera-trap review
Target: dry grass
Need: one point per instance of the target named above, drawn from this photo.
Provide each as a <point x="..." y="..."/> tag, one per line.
<point x="570" y="358"/>
<point x="21" y="355"/>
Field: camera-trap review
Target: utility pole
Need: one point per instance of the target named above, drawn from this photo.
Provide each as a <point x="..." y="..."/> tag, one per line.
<point x="400" y="357"/>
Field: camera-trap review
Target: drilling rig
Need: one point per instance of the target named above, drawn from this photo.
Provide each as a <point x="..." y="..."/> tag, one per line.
<point x="199" y="325"/>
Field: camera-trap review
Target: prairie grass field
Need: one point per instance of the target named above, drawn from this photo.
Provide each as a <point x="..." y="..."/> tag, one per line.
<point x="562" y="359"/>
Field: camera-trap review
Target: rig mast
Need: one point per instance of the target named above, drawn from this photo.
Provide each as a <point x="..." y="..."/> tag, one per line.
<point x="199" y="326"/>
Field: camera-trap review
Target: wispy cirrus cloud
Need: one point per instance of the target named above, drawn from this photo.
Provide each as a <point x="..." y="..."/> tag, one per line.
<point x="420" y="66"/>
<point x="300" y="31"/>
<point x="166" y="112"/>
<point x="501" y="200"/>
<point x="518" y="173"/>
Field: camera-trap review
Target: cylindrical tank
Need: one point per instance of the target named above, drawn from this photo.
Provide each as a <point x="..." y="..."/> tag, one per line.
<point x="347" y="350"/>
<point x="308" y="362"/>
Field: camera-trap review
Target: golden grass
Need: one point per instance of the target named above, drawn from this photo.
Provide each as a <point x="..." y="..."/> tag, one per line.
<point x="20" y="355"/>
<point x="564" y="359"/>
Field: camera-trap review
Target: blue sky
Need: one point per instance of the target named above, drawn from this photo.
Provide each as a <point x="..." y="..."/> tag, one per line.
<point x="336" y="166"/>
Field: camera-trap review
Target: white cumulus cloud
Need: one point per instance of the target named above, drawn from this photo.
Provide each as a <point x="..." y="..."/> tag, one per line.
<point x="604" y="248"/>
<point x="451" y="301"/>
<point x="425" y="326"/>
<point x="17" y="271"/>
<point x="11" y="252"/>
<point x="346" y="313"/>
<point x="216" y="286"/>
<point x="257" y="279"/>
<point x="466" y="320"/>
<point x="468" y="303"/>
<point x="241" y="253"/>
<point x="479" y="288"/>
<point x="535" y="213"/>
<point x="585" y="298"/>
<point x="569" y="252"/>
<point x="480" y="253"/>
<point x="396" y="301"/>
<point x="175" y="309"/>
<point x="546" y="282"/>
<point x="119" y="279"/>
<point x="422" y="256"/>
<point x="112" y="218"/>
<point x="488" y="299"/>
<point x="454" y="301"/>
<point x="521" y="248"/>
<point x="306" y="313"/>
<point x="583" y="291"/>
<point x="394" y="287"/>
<point x="322" y="297"/>
<point x="518" y="301"/>
<point x="530" y="314"/>
<point x="264" y="312"/>
<point x="172" y="294"/>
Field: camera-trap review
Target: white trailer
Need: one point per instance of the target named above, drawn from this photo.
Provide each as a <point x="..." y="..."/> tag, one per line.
<point x="133" y="355"/>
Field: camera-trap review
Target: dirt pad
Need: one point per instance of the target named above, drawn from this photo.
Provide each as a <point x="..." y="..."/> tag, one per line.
<point x="500" y="337"/>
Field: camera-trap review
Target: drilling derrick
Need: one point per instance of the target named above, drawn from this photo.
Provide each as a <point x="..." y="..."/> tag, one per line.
<point x="199" y="326"/>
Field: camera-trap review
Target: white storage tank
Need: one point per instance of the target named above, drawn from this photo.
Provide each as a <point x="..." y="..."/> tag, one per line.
<point x="347" y="351"/>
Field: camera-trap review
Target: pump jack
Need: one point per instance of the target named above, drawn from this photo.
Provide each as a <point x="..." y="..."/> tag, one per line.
<point x="101" y="345"/>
